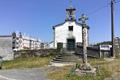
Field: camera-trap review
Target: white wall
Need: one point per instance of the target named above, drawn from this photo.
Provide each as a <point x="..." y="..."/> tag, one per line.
<point x="62" y="31"/>
<point x="25" y="42"/>
<point x="6" y="48"/>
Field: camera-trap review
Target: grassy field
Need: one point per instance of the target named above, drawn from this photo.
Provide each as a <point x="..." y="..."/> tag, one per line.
<point x="106" y="69"/>
<point x="30" y="62"/>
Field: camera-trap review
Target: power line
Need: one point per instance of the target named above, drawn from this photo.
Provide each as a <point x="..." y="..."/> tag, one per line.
<point x="100" y="8"/>
<point x="117" y="1"/>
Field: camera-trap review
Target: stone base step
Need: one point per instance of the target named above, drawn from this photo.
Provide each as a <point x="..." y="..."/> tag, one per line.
<point x="62" y="64"/>
<point x="66" y="57"/>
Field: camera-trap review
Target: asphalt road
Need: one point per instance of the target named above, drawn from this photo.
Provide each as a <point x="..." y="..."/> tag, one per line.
<point x="23" y="74"/>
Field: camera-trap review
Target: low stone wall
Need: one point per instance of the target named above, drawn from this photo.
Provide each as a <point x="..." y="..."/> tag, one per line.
<point x="32" y="53"/>
<point x="92" y="52"/>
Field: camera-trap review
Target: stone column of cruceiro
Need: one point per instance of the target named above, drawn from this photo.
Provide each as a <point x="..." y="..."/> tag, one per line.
<point x="84" y="37"/>
<point x="85" y="43"/>
<point x="85" y="67"/>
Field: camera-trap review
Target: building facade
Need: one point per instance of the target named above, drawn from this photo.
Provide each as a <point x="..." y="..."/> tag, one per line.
<point x="21" y="42"/>
<point x="69" y="33"/>
<point x="105" y="51"/>
<point x="15" y="42"/>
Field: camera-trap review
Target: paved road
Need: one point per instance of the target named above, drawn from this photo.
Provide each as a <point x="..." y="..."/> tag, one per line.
<point x="23" y="74"/>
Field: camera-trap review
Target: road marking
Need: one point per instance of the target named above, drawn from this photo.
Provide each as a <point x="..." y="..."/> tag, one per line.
<point x="6" y="78"/>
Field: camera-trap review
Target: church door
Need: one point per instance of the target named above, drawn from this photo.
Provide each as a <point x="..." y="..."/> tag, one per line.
<point x="71" y="44"/>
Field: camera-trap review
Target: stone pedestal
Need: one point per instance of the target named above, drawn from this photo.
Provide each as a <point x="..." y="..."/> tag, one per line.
<point x="85" y="69"/>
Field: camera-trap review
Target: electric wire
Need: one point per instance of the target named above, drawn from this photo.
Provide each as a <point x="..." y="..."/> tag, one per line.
<point x="101" y="8"/>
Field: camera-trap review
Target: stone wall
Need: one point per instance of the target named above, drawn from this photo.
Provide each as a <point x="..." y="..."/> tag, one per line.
<point x="91" y="52"/>
<point x="94" y="52"/>
<point x="32" y="53"/>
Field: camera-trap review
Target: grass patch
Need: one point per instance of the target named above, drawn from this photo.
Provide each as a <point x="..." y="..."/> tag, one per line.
<point x="117" y="57"/>
<point x="29" y="62"/>
<point x="59" y="73"/>
<point x="105" y="70"/>
<point x="99" y="76"/>
<point x="64" y="74"/>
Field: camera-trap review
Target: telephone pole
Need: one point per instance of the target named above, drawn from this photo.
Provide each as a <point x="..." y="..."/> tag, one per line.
<point x="112" y="26"/>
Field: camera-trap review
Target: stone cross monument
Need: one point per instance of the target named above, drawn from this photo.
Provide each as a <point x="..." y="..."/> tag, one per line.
<point x="85" y="67"/>
<point x="83" y="20"/>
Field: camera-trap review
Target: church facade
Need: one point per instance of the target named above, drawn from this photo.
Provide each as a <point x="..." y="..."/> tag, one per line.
<point x="69" y="33"/>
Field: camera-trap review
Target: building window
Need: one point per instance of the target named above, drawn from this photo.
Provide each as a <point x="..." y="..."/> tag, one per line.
<point x="70" y="28"/>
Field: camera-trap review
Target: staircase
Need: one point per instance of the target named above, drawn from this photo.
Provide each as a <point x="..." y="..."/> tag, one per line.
<point x="65" y="56"/>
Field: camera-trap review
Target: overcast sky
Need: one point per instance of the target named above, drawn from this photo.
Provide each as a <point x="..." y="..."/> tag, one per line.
<point x="36" y="17"/>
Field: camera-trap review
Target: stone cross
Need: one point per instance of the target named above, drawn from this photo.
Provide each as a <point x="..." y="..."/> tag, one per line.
<point x="84" y="37"/>
<point x="83" y="19"/>
<point x="85" y="68"/>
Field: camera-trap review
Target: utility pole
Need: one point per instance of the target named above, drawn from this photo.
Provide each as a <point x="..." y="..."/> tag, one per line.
<point x="112" y="26"/>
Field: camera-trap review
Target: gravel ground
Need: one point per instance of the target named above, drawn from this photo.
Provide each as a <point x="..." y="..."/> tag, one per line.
<point x="23" y="74"/>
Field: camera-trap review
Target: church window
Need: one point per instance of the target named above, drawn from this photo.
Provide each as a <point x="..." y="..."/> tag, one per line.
<point x="70" y="28"/>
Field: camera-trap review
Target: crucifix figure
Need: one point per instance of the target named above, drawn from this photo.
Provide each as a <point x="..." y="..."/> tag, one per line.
<point x="70" y="12"/>
<point x="83" y="20"/>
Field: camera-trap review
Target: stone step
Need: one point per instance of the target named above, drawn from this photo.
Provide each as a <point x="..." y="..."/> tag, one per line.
<point x="60" y="55"/>
<point x="69" y="52"/>
<point x="61" y="61"/>
<point x="66" y="58"/>
<point x="57" y="59"/>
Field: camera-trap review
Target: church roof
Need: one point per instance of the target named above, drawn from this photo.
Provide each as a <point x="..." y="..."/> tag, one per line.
<point x="65" y="22"/>
<point x="71" y="21"/>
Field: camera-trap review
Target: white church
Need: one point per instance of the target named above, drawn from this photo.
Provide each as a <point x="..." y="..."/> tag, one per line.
<point x="69" y="33"/>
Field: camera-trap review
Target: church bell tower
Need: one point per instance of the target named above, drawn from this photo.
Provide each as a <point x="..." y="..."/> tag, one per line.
<point x="70" y="12"/>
